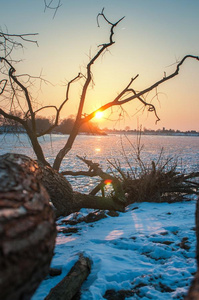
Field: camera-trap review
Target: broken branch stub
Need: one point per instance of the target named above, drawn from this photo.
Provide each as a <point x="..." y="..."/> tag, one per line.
<point x="71" y="283"/>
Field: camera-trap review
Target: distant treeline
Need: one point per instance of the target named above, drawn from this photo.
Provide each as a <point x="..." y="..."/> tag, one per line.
<point x="43" y="123"/>
<point x="66" y="126"/>
<point x="152" y="132"/>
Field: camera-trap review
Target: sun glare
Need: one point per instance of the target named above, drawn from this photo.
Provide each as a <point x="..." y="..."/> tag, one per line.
<point x="99" y="114"/>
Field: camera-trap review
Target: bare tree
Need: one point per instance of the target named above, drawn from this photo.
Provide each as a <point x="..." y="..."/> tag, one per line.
<point x="15" y="93"/>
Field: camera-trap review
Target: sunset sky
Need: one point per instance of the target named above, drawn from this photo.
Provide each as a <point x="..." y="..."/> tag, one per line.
<point x="153" y="36"/>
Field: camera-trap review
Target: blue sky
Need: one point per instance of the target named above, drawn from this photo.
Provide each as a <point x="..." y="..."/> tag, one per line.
<point x="149" y="41"/>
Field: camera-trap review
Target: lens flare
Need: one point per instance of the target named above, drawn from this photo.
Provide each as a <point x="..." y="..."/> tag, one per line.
<point x="108" y="181"/>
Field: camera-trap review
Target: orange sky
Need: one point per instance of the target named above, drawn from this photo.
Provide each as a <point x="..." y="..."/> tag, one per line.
<point x="149" y="41"/>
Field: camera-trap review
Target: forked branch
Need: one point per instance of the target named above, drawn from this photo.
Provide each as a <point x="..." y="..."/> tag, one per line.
<point x="88" y="78"/>
<point x="95" y="170"/>
<point x="52" y="5"/>
<point x="9" y="42"/>
<point x="58" y="110"/>
<point x="121" y="100"/>
<point x="3" y="84"/>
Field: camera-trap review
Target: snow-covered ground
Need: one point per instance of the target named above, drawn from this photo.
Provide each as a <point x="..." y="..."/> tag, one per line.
<point x="148" y="250"/>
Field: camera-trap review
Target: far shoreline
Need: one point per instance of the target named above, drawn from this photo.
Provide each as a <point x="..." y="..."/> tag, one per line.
<point x="116" y="132"/>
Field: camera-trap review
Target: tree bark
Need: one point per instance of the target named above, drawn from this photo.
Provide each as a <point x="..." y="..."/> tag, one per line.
<point x="27" y="228"/>
<point x="193" y="293"/>
<point x="59" y="189"/>
<point x="71" y="283"/>
<point x="64" y="199"/>
<point x="97" y="202"/>
<point x="67" y="201"/>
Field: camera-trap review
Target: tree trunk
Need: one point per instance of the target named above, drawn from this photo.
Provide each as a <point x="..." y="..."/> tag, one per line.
<point x="59" y="189"/>
<point x="193" y="293"/>
<point x="67" y="201"/>
<point x="97" y="202"/>
<point x="27" y="228"/>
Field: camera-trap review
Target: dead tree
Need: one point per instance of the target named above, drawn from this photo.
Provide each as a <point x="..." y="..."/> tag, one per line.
<point x="15" y="93"/>
<point x="157" y="183"/>
<point x="27" y="228"/>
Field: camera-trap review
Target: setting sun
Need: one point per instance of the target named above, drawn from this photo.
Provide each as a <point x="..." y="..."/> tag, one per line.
<point x="99" y="114"/>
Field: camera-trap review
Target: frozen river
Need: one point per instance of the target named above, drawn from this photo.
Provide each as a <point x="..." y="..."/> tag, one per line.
<point x="112" y="147"/>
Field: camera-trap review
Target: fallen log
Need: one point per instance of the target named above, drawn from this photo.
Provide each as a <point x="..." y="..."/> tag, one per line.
<point x="64" y="199"/>
<point x="71" y="283"/>
<point x="27" y="228"/>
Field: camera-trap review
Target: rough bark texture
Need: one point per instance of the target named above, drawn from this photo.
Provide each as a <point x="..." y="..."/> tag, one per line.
<point x="71" y="284"/>
<point x="197" y="232"/>
<point x="27" y="228"/>
<point x="193" y="293"/>
<point x="67" y="201"/>
<point x="59" y="189"/>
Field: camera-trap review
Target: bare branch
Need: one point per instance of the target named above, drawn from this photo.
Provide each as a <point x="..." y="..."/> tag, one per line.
<point x="79" y="173"/>
<point x="24" y="89"/>
<point x="79" y="120"/>
<point x="30" y="130"/>
<point x="95" y="170"/>
<point x="26" y="37"/>
<point x="118" y="101"/>
<point x="50" y="5"/>
<point x="9" y="42"/>
<point x="151" y="107"/>
<point x="12" y="117"/>
<point x="164" y="79"/>
<point x="58" y="110"/>
<point x="110" y="23"/>
<point x="3" y="83"/>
